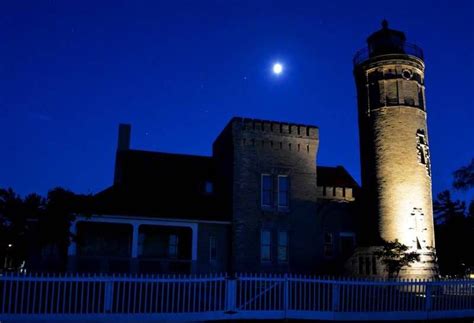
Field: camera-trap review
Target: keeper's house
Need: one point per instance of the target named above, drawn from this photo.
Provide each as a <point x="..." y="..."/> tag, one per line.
<point x="259" y="203"/>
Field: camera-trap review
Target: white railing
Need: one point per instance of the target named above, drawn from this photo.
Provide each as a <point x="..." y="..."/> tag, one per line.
<point x="217" y="296"/>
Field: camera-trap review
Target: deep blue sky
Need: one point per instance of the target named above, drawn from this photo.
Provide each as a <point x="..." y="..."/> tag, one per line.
<point x="71" y="71"/>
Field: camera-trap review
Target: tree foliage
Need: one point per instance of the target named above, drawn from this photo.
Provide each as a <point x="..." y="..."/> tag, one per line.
<point x="447" y="210"/>
<point x="454" y="231"/>
<point x="13" y="223"/>
<point x="39" y="222"/>
<point x="464" y="177"/>
<point x="395" y="256"/>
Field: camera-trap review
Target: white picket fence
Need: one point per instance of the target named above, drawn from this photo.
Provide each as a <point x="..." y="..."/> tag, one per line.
<point x="218" y="297"/>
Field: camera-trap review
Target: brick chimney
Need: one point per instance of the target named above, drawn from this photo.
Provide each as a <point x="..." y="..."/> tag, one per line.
<point x="124" y="137"/>
<point x="123" y="144"/>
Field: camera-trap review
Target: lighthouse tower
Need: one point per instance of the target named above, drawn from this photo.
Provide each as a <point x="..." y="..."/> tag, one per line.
<point x="395" y="157"/>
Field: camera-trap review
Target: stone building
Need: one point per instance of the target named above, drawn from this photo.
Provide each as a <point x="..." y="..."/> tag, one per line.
<point x="261" y="202"/>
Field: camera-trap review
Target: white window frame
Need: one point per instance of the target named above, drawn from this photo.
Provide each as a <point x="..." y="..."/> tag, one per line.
<point x="287" y="192"/>
<point x="176" y="246"/>
<point x="328" y="244"/>
<point x="262" y="191"/>
<point x="281" y="245"/>
<point x="269" y="245"/>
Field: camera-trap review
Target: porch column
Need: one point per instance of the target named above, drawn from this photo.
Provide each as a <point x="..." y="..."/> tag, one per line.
<point x="72" y="248"/>
<point x="135" y="240"/>
<point x="134" y="264"/>
<point x="194" y="247"/>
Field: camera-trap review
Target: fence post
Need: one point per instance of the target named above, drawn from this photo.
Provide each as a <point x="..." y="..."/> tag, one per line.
<point x="336" y="292"/>
<point x="109" y="295"/>
<point x="286" y="295"/>
<point x="231" y="295"/>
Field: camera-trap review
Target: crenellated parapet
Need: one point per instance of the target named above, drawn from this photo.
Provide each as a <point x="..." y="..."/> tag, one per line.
<point x="259" y="127"/>
<point x="265" y="135"/>
<point x="335" y="193"/>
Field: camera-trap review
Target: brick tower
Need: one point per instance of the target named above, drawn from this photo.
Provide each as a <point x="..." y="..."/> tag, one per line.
<point x="395" y="159"/>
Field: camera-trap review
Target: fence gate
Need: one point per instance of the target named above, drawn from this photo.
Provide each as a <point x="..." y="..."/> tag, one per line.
<point x="220" y="297"/>
<point x="258" y="294"/>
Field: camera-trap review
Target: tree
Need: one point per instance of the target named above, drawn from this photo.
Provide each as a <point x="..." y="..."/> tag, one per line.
<point x="447" y="210"/>
<point x="38" y="223"/>
<point x="455" y="226"/>
<point x="15" y="225"/>
<point x="61" y="209"/>
<point x="464" y="177"/>
<point x="454" y="233"/>
<point x="395" y="255"/>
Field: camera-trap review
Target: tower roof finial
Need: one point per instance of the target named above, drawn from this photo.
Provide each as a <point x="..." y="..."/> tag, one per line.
<point x="385" y="24"/>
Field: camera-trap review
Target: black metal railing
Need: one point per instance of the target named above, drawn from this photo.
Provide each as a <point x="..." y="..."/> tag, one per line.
<point x="366" y="53"/>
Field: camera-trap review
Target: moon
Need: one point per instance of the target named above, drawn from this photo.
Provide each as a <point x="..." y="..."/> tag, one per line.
<point x="277" y="68"/>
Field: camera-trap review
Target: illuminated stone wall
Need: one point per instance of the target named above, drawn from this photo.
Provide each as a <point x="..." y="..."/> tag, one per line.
<point x="396" y="166"/>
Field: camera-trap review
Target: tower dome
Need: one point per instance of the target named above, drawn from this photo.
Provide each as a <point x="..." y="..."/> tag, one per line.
<point x="387" y="41"/>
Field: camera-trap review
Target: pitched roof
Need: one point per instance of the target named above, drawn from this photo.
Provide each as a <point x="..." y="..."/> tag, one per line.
<point x="165" y="185"/>
<point x="162" y="185"/>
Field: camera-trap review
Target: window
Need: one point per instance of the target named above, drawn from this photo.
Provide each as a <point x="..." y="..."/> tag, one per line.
<point x="374" y="265"/>
<point x="265" y="245"/>
<point x="267" y="183"/>
<point x="391" y="91"/>
<point x="328" y="244"/>
<point x="282" y="246"/>
<point x="346" y="243"/>
<point x="420" y="98"/>
<point x="103" y="239"/>
<point x="374" y="94"/>
<point x="421" y="146"/>
<point x="267" y="190"/>
<point x="423" y="150"/>
<point x="407" y="74"/>
<point x="208" y="187"/>
<point x="367" y="265"/>
<point x="361" y="265"/>
<point x="173" y="246"/>
<point x="212" y="248"/>
<point x="283" y="191"/>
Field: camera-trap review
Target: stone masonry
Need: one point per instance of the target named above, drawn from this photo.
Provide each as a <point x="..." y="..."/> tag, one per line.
<point x="264" y="147"/>
<point x="395" y="161"/>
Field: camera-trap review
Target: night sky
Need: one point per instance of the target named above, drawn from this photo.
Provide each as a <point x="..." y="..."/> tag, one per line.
<point x="71" y="71"/>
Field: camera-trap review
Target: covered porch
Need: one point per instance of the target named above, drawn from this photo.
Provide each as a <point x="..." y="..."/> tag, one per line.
<point x="121" y="244"/>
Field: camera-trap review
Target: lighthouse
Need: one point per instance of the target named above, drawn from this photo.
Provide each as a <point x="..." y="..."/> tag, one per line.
<point x="394" y="146"/>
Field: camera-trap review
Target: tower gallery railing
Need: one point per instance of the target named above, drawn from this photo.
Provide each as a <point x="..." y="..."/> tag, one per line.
<point x="218" y="296"/>
<point x="366" y="53"/>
